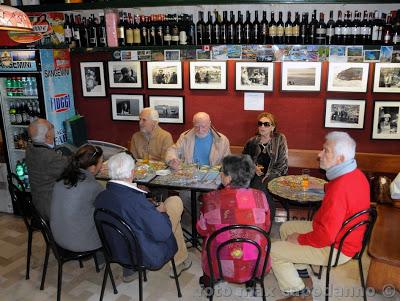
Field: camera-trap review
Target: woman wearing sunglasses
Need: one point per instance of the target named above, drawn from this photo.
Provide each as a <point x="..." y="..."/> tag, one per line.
<point x="71" y="213"/>
<point x="269" y="151"/>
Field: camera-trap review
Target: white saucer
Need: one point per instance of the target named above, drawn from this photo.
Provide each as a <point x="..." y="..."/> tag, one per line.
<point x="163" y="172"/>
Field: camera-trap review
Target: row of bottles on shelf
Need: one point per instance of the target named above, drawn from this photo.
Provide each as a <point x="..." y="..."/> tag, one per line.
<point x="21" y="86"/>
<point x="22" y="173"/>
<point x="23" y="113"/>
<point x="372" y="28"/>
<point x="20" y="138"/>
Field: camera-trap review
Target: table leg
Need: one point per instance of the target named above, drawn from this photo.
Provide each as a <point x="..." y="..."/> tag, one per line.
<point x="193" y="202"/>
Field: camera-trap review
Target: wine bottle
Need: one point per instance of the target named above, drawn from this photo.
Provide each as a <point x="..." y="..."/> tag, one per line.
<point x="320" y="31"/>
<point x="350" y="37"/>
<point x="216" y="30"/>
<point x="387" y="31"/>
<point x="224" y="28"/>
<point x="272" y="30"/>
<point x="121" y="30"/>
<point x="296" y="29"/>
<point x="92" y="31"/>
<point x="159" y="30"/>
<point x="231" y="27"/>
<point x="208" y="30"/>
<point x="304" y="29"/>
<point x="396" y="29"/>
<point x="330" y="29"/>
<point x="357" y="28"/>
<point x="239" y="29"/>
<point x="264" y="29"/>
<point x="77" y="31"/>
<point x="376" y="29"/>
<point x="247" y="29"/>
<point x="67" y="30"/>
<point x="289" y="29"/>
<point x="312" y="31"/>
<point x="365" y="30"/>
<point x="256" y="29"/>
<point x="190" y="32"/>
<point x="346" y="29"/>
<point x="174" y="30"/>
<point x="200" y="29"/>
<point x="280" y="30"/>
<point x="137" y="39"/>
<point x="144" y="31"/>
<point x="167" y="31"/>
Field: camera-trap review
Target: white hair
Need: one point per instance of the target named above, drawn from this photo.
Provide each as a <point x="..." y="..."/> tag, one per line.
<point x="153" y="113"/>
<point x="120" y="166"/>
<point x="40" y="132"/>
<point x="344" y="144"/>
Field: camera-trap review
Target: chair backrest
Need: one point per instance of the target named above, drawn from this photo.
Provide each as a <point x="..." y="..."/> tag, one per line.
<point x="20" y="198"/>
<point x="365" y="218"/>
<point x="262" y="255"/>
<point x="118" y="239"/>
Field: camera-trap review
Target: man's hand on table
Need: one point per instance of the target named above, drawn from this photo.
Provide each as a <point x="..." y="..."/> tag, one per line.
<point x="293" y="238"/>
<point x="174" y="164"/>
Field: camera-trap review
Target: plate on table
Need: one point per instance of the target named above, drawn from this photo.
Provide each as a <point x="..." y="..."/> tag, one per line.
<point x="163" y="172"/>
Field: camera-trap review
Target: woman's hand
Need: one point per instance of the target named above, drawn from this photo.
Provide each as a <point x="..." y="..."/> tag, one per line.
<point x="259" y="170"/>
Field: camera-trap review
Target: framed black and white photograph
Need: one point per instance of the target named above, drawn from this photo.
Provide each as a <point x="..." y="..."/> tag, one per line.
<point x="126" y="106"/>
<point x="125" y="74"/>
<point x="301" y="76"/>
<point x="92" y="76"/>
<point x="387" y="78"/>
<point x="169" y="108"/>
<point x="254" y="76"/>
<point x="164" y="75"/>
<point x="207" y="75"/>
<point x="345" y="113"/>
<point x="348" y="77"/>
<point x="172" y="55"/>
<point x="386" y="120"/>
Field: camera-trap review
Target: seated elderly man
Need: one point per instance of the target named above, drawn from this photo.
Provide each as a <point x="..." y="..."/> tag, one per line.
<point x="306" y="242"/>
<point x="151" y="141"/>
<point x="201" y="145"/>
<point x="44" y="164"/>
<point x="157" y="228"/>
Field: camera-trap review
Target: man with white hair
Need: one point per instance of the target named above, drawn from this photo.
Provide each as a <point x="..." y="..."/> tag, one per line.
<point x="156" y="226"/>
<point x="308" y="242"/>
<point x="201" y="145"/>
<point x="151" y="141"/>
<point x="44" y="164"/>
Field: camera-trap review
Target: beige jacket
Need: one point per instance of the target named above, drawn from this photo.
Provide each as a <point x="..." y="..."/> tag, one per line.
<point x="183" y="149"/>
<point x="157" y="145"/>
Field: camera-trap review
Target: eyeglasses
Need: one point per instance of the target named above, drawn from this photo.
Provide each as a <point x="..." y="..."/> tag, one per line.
<point x="266" y="124"/>
<point x="94" y="153"/>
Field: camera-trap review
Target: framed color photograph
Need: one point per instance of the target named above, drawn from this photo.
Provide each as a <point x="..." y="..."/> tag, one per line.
<point x="169" y="108"/>
<point x="126" y="107"/>
<point x="304" y="76"/>
<point x="344" y="113"/>
<point x="348" y="77"/>
<point x="125" y="74"/>
<point x="386" y="120"/>
<point x="254" y="76"/>
<point x="208" y="75"/>
<point x="387" y="78"/>
<point x="92" y="76"/>
<point x="164" y="75"/>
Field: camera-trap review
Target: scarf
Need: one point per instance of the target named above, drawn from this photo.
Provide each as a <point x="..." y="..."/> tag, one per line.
<point x="341" y="169"/>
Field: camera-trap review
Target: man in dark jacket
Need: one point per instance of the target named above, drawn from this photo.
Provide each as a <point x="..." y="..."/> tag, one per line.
<point x="157" y="228"/>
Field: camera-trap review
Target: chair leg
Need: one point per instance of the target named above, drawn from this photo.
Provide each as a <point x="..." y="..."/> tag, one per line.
<point x="28" y="255"/>
<point x="362" y="278"/>
<point x="328" y="270"/>
<point x="46" y="261"/>
<point x="178" y="288"/>
<point x="140" y="285"/>
<point x="144" y="276"/>
<point x="112" y="279"/>
<point x="103" y="285"/>
<point x="96" y="264"/>
<point x="319" y="275"/>
<point x="80" y="263"/>
<point x="211" y="292"/>
<point x="263" y="290"/>
<point x="59" y="281"/>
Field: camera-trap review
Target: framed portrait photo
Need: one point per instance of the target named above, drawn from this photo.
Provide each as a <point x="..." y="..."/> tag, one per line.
<point x="386" y="120"/>
<point x="207" y="75"/>
<point x="348" y="77"/>
<point x="254" y="76"/>
<point x="169" y="108"/>
<point x="301" y="76"/>
<point x="126" y="107"/>
<point x="345" y="113"/>
<point x="387" y="78"/>
<point x="164" y="75"/>
<point x="92" y="76"/>
<point x="126" y="74"/>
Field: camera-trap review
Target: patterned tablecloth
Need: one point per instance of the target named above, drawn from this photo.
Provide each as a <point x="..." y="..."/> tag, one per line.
<point x="289" y="187"/>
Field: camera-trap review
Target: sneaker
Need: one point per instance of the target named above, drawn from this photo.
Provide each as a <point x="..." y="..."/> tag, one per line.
<point x="130" y="276"/>
<point x="180" y="268"/>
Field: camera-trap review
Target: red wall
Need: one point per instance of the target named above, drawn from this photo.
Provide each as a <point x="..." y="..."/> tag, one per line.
<point x="300" y="115"/>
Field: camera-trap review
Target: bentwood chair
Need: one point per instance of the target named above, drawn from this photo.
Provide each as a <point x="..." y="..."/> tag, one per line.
<point x="113" y="230"/>
<point x="363" y="219"/>
<point x="262" y="254"/>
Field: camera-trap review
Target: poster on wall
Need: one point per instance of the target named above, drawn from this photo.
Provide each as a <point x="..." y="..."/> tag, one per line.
<point x="50" y="26"/>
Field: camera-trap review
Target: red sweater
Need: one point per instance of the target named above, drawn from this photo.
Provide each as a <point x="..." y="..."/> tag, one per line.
<point x="344" y="197"/>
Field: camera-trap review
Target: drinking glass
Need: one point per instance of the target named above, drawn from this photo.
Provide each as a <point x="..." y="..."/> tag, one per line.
<point x="305" y="178"/>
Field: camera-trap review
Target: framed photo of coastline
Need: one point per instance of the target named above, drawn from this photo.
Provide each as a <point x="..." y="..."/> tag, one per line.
<point x="386" y="120"/>
<point x="345" y="113"/>
<point x="348" y="77"/>
<point x="254" y="76"/>
<point x="207" y="75"/>
<point x="301" y="76"/>
<point x="126" y="107"/>
<point x="170" y="108"/>
<point x="127" y="74"/>
<point x="92" y="76"/>
<point x="387" y="77"/>
<point x="164" y="75"/>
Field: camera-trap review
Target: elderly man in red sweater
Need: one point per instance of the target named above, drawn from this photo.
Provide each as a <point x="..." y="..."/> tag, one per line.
<point x="308" y="242"/>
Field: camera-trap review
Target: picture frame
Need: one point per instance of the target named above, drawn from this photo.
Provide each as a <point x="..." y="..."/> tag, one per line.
<point x="126" y="106"/>
<point x="164" y="75"/>
<point x="345" y="113"/>
<point x="92" y="78"/>
<point x="385" y="123"/>
<point x="301" y="76"/>
<point x="208" y="75"/>
<point x="348" y="77"/>
<point x="172" y="55"/>
<point x="387" y="78"/>
<point x="170" y="108"/>
<point x="254" y="76"/>
<point x="126" y="74"/>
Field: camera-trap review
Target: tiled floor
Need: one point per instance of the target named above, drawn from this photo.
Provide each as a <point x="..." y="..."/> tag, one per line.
<point x="85" y="283"/>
